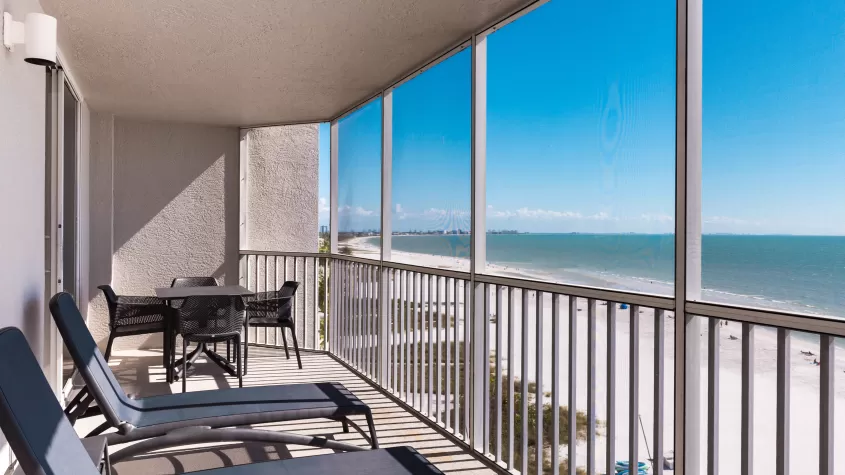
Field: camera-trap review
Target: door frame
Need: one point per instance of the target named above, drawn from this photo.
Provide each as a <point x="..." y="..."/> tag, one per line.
<point x="54" y="360"/>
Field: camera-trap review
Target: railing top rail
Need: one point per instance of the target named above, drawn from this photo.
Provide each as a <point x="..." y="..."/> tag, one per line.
<point x="772" y="318"/>
<point x="362" y="260"/>
<point x="647" y="300"/>
<point x="248" y="252"/>
<point x="429" y="270"/>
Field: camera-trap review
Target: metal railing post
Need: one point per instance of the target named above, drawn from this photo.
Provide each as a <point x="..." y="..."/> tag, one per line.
<point x="479" y="365"/>
<point x="386" y="232"/>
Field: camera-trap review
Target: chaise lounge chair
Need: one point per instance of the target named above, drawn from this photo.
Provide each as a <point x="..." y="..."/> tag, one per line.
<point x="203" y="416"/>
<point x="45" y="443"/>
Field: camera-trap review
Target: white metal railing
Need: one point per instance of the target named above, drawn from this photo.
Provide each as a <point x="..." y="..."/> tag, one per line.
<point x="410" y="330"/>
<point x="526" y="338"/>
<point x="262" y="271"/>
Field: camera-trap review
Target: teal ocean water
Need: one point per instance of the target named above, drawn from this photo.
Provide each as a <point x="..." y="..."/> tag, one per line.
<point x="796" y="273"/>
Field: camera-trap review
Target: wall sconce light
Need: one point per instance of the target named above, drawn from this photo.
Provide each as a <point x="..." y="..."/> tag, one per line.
<point x="38" y="32"/>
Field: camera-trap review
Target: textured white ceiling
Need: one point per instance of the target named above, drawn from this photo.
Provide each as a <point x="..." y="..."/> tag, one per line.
<point x="254" y="62"/>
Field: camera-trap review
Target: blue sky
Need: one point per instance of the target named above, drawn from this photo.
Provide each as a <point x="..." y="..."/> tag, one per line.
<point x="581" y="137"/>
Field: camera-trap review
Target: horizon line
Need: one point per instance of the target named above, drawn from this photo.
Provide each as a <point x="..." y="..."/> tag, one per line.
<point x="513" y="232"/>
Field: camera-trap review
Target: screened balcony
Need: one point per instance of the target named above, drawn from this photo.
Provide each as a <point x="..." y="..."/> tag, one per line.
<point x="532" y="235"/>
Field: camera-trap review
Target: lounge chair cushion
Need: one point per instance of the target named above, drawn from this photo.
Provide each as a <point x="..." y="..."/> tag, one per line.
<point x="246" y="406"/>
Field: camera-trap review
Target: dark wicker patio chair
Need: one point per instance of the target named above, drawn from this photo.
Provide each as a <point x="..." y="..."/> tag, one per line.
<point x="207" y="320"/>
<point x="135" y="315"/>
<point x="273" y="310"/>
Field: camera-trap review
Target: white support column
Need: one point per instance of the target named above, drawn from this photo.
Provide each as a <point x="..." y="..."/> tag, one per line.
<point x="333" y="223"/>
<point x="688" y="237"/>
<point x="244" y="167"/>
<point x="479" y="156"/>
<point x="479" y="236"/>
<point x="243" y="164"/>
<point x="386" y="231"/>
<point x="386" y="174"/>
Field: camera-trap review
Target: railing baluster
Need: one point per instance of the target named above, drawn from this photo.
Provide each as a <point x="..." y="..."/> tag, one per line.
<point x="498" y="377"/>
<point x="257" y="290"/>
<point x="315" y="322"/>
<point x="634" y="386"/>
<point x="486" y="412"/>
<point x="339" y="302"/>
<point x="372" y="340"/>
<point x="827" y="363"/>
<point x="295" y="309"/>
<point x="365" y="318"/>
<point x="713" y="396"/>
<point x="467" y="359"/>
<point x="431" y="286"/>
<point x="284" y="279"/>
<point x="409" y="291"/>
<point x="439" y="346"/>
<point x="350" y="313"/>
<point x="362" y="316"/>
<point x="346" y="305"/>
<point x="457" y="356"/>
<point x="555" y="384"/>
<point x="350" y="346"/>
<point x="358" y="290"/>
<point x="573" y="378"/>
<point x="367" y="323"/>
<point x="591" y="387"/>
<point x="315" y="330"/>
<point x="374" y="323"/>
<point x="747" y="415"/>
<point x="397" y="305"/>
<point x="448" y="401"/>
<point x="611" y="385"/>
<point x="330" y="295"/>
<point x="783" y="399"/>
<point x="305" y="309"/>
<point x="457" y="413"/>
<point x="402" y="335"/>
<point x="414" y="366"/>
<point x="511" y="375"/>
<point x="659" y="319"/>
<point x="524" y="379"/>
<point x="425" y="291"/>
<point x="275" y="287"/>
<point x="538" y="397"/>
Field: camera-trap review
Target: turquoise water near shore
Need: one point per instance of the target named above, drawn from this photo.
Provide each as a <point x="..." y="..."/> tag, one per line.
<point x="796" y="273"/>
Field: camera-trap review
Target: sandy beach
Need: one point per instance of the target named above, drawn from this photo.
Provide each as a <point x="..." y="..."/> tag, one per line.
<point x="804" y="407"/>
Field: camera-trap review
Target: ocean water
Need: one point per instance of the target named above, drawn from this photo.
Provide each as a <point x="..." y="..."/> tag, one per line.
<point x="795" y="273"/>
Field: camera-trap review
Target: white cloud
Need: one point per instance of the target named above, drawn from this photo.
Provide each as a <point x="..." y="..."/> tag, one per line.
<point x="537" y="213"/>
<point x="729" y="220"/>
<point x="324" y="206"/>
<point x="356" y="211"/>
<point x="657" y="217"/>
<point x="439" y="213"/>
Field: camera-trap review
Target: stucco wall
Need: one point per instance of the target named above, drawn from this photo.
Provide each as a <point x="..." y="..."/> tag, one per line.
<point x="175" y="202"/>
<point x="283" y="204"/>
<point x="282" y="197"/>
<point x="100" y="202"/>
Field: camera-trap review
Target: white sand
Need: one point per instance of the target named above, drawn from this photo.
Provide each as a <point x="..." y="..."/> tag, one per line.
<point x="805" y="377"/>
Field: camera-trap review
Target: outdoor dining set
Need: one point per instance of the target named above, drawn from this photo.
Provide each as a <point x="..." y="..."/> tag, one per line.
<point x="202" y="312"/>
